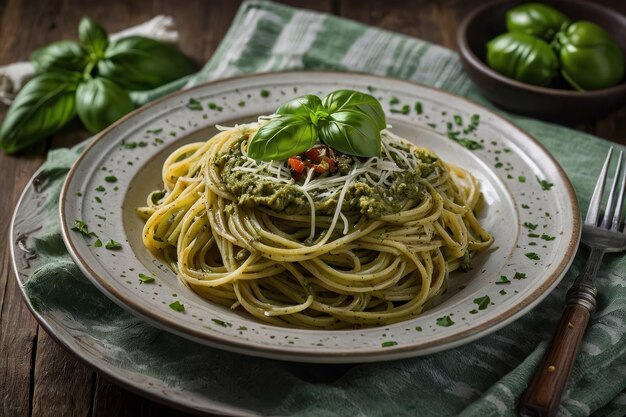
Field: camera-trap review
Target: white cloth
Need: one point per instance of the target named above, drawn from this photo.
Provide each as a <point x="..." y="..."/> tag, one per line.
<point x="14" y="76"/>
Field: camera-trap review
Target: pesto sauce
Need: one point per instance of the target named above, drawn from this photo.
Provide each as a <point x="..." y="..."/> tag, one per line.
<point x="372" y="201"/>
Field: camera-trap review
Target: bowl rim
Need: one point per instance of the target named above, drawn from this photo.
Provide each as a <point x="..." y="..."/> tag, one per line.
<point x="468" y="54"/>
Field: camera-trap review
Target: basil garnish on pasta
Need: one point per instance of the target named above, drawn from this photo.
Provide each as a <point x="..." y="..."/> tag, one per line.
<point x="346" y="120"/>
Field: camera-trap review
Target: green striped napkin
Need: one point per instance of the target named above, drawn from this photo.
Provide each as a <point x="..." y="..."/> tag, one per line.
<point x="484" y="378"/>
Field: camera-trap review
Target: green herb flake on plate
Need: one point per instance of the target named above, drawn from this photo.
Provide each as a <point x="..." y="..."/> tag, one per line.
<point x="194" y="105"/>
<point x="146" y="279"/>
<point x="445" y="321"/>
<point x="177" y="306"/>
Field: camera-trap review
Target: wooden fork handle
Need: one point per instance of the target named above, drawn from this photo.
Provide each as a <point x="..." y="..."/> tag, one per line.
<point x="543" y="395"/>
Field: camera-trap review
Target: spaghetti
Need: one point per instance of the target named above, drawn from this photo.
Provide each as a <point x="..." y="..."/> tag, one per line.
<point x="367" y="245"/>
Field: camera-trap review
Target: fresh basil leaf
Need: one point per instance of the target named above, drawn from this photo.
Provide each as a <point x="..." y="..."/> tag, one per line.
<point x="303" y="106"/>
<point x="352" y="132"/>
<point x="100" y="102"/>
<point x="42" y="107"/>
<point x="62" y="55"/>
<point x="136" y="63"/>
<point x="93" y="38"/>
<point x="282" y="137"/>
<point x="355" y="101"/>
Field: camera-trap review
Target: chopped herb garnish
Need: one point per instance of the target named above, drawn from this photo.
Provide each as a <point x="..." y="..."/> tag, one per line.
<point x="154" y="131"/>
<point x="110" y="178"/>
<point x="130" y="145"/>
<point x="113" y="245"/>
<point x="79" y="194"/>
<point x="458" y="120"/>
<point x="98" y="199"/>
<point x="547" y="237"/>
<point x="532" y="255"/>
<point x="214" y="106"/>
<point x="533" y="235"/>
<point x="394" y="100"/>
<point x="472" y="145"/>
<point x="474" y="311"/>
<point x="404" y="110"/>
<point x="221" y="323"/>
<point x="482" y="302"/>
<point x="503" y="280"/>
<point x="418" y="107"/>
<point x="195" y="105"/>
<point x="433" y="125"/>
<point x="445" y="321"/>
<point x="509" y="177"/>
<point x="98" y="243"/>
<point x="100" y="188"/>
<point x="521" y="178"/>
<point x="177" y="306"/>
<point x="498" y="165"/>
<point x="242" y="328"/>
<point x="520" y="275"/>
<point x="545" y="185"/>
<point x="525" y="206"/>
<point x="530" y="225"/>
<point x="81" y="227"/>
<point x="418" y="328"/>
<point x="389" y="343"/>
<point x="241" y="103"/>
<point x="265" y="93"/>
<point x="502" y="292"/>
<point x="159" y="140"/>
<point x="147" y="279"/>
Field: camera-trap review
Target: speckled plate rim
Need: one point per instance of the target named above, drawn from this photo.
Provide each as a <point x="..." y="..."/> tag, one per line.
<point x="320" y="355"/>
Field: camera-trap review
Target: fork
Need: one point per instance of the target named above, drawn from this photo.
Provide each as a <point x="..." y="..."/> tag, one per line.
<point x="601" y="234"/>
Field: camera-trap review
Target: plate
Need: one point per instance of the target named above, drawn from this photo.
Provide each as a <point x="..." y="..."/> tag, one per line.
<point x="528" y="205"/>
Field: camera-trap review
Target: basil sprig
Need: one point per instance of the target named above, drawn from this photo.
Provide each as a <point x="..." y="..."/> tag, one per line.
<point x="45" y="105"/>
<point x="91" y="78"/>
<point x="347" y="120"/>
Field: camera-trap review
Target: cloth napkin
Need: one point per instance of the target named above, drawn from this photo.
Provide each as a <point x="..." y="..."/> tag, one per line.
<point x="483" y="378"/>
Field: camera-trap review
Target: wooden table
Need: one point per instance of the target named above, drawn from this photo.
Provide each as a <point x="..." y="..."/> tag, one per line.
<point x="38" y="377"/>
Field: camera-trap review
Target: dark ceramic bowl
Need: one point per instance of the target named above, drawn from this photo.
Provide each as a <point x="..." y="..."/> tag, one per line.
<point x="556" y="102"/>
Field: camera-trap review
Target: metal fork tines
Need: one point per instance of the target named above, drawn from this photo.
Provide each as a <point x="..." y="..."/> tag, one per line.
<point x="602" y="232"/>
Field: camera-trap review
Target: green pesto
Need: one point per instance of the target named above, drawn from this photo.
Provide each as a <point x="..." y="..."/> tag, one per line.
<point x="372" y="201"/>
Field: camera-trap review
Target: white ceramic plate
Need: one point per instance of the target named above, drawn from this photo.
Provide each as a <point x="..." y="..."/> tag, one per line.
<point x="528" y="205"/>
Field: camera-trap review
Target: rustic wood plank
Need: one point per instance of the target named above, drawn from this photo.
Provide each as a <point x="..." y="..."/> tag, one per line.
<point x="18" y="338"/>
<point x="18" y="328"/>
<point x="56" y="371"/>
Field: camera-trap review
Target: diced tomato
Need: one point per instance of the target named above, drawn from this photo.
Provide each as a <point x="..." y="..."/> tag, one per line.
<point x="320" y="158"/>
<point x="297" y="167"/>
<point x="316" y="153"/>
